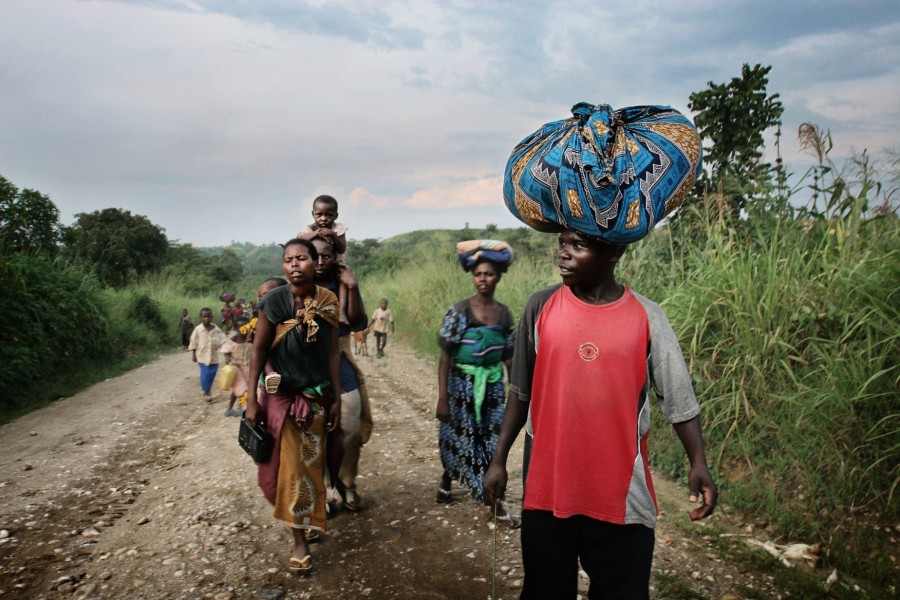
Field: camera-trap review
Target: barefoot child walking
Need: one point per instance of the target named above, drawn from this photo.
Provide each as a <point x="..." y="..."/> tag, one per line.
<point x="204" y="345"/>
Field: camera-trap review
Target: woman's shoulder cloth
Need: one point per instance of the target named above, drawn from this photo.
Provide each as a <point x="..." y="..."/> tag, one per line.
<point x="324" y="294"/>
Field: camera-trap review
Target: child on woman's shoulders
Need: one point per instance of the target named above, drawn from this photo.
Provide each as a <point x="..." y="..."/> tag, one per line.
<point x="326" y="227"/>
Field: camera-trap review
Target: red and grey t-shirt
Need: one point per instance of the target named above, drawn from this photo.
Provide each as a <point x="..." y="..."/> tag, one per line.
<point x="586" y="370"/>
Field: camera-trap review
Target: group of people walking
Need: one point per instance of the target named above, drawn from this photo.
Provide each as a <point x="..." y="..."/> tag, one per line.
<point x="575" y="373"/>
<point x="320" y="417"/>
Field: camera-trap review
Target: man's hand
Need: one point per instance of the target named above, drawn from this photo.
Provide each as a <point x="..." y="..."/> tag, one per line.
<point x="495" y="483"/>
<point x="704" y="490"/>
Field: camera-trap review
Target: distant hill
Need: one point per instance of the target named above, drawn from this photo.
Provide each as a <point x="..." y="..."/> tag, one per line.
<point x="370" y="255"/>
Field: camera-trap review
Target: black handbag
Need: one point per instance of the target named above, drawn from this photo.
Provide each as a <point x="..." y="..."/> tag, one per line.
<point x="256" y="441"/>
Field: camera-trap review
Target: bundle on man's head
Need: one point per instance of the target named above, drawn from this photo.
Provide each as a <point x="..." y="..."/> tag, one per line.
<point x="609" y="174"/>
<point x="469" y="253"/>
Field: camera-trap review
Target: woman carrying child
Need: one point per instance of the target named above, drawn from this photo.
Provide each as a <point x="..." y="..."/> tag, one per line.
<point x="297" y="331"/>
<point x="476" y="341"/>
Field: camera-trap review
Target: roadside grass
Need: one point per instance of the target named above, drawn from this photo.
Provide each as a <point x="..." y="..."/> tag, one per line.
<point x="729" y="545"/>
<point x="793" y="339"/>
<point x="673" y="587"/>
<point x="74" y="332"/>
<point x="420" y="293"/>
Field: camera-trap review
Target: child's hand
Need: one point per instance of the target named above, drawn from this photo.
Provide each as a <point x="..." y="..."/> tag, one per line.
<point x="346" y="276"/>
<point x="326" y="234"/>
<point x="334" y="417"/>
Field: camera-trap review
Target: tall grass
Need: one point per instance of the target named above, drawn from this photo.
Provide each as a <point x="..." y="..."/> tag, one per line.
<point x="420" y="293"/>
<point x="793" y="338"/>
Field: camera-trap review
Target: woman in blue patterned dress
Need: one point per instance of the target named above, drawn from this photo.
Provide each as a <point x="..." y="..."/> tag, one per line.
<point x="476" y="341"/>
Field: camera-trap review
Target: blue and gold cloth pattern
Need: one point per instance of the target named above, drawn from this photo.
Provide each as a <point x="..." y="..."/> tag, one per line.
<point x="610" y="174"/>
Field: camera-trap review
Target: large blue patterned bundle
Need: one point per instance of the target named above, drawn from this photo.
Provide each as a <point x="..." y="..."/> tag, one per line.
<point x="604" y="173"/>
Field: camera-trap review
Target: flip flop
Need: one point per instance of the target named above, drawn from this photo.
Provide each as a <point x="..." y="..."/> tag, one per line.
<point x="272" y="380"/>
<point x="351" y="501"/>
<point x="443" y="496"/>
<point x="312" y="536"/>
<point x="300" y="566"/>
<point x="510" y="521"/>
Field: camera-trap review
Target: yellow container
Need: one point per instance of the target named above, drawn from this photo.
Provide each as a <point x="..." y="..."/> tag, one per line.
<point x="226" y="377"/>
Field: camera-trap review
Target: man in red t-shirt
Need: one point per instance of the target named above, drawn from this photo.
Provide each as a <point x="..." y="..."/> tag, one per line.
<point x="587" y="353"/>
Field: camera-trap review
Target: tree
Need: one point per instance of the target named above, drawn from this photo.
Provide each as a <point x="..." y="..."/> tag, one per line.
<point x="226" y="267"/>
<point x="118" y="245"/>
<point x="733" y="116"/>
<point x="29" y="220"/>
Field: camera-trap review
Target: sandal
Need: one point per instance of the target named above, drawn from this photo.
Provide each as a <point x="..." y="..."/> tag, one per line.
<point x="443" y="496"/>
<point x="272" y="380"/>
<point x="351" y="501"/>
<point x="300" y="566"/>
<point x="349" y="498"/>
<point x="312" y="536"/>
<point x="510" y="521"/>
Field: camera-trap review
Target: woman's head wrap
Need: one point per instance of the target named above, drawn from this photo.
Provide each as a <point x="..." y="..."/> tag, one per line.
<point x="470" y="252"/>
<point x="608" y="174"/>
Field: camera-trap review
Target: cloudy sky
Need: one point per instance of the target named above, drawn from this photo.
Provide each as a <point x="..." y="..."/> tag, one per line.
<point x="220" y="120"/>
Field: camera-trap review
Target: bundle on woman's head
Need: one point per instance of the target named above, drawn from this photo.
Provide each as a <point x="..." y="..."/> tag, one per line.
<point x="471" y="252"/>
<point x="609" y="174"/>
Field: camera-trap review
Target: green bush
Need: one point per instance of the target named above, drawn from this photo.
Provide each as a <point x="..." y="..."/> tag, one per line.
<point x="147" y="311"/>
<point x="60" y="322"/>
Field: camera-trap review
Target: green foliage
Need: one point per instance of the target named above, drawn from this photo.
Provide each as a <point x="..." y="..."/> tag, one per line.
<point x="29" y="220"/>
<point x="70" y="332"/>
<point x="791" y="329"/>
<point x="261" y="262"/>
<point x="146" y="310"/>
<point x="226" y="267"/>
<point x="429" y="279"/>
<point x="203" y="272"/>
<point x="60" y="322"/>
<point x="121" y="247"/>
<point x="733" y="117"/>
<point x="369" y="257"/>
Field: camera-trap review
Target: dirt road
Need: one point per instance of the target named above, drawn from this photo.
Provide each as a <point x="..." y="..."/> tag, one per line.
<point x="136" y="488"/>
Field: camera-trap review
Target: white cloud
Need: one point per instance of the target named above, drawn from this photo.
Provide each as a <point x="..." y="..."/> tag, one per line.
<point x="470" y="194"/>
<point x="240" y="113"/>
